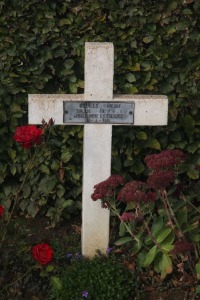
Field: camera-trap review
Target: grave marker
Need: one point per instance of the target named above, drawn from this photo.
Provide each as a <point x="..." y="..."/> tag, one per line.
<point x="97" y="109"/>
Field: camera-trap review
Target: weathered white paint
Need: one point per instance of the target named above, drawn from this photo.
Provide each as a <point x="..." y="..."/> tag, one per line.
<point x="149" y="111"/>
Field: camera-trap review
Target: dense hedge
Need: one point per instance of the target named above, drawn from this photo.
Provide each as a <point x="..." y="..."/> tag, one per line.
<point x="157" y="45"/>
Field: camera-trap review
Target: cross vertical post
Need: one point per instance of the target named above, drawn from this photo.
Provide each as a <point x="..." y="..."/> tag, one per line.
<point x="99" y="68"/>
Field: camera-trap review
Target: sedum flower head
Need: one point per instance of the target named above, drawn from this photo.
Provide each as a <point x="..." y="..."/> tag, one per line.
<point x="166" y="159"/>
<point x="106" y="188"/>
<point x="182" y="247"/>
<point x="160" y="179"/>
<point x="133" y="191"/>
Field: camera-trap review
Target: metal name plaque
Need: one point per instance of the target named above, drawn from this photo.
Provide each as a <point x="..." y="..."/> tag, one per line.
<point x="98" y="112"/>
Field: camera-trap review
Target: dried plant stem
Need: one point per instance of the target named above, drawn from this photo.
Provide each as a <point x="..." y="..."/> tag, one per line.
<point x="181" y="234"/>
<point x="163" y="198"/>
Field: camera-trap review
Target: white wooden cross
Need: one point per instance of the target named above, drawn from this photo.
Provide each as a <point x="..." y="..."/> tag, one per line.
<point x="149" y="110"/>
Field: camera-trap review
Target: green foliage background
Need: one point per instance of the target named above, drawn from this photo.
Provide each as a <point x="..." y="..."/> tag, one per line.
<point x="157" y="46"/>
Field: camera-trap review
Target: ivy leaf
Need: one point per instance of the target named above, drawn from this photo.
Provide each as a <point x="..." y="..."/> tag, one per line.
<point x="148" y="39"/>
<point x="141" y="135"/>
<point x="130" y="77"/>
<point x="66" y="156"/>
<point x="193" y="174"/>
<point x="153" y="143"/>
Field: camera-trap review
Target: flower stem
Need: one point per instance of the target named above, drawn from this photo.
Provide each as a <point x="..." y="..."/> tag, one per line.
<point x="163" y="198"/>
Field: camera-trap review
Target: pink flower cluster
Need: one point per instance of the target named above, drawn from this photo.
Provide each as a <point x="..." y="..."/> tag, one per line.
<point x="160" y="179"/>
<point x="162" y="165"/>
<point x="127" y="216"/>
<point x="106" y="188"/>
<point x="182" y="247"/>
<point x="166" y="159"/>
<point x="135" y="191"/>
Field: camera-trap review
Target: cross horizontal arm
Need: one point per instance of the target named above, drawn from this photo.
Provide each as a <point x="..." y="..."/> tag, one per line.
<point x="149" y="109"/>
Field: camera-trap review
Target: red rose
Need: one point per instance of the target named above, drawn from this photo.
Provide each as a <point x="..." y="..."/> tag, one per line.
<point x="1" y="210"/>
<point x="28" y="135"/>
<point x="42" y="253"/>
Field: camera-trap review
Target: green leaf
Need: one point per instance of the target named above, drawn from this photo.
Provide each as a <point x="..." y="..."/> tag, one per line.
<point x="57" y="284"/>
<point x="13" y="169"/>
<point x="130" y="206"/>
<point x="49" y="268"/>
<point x="117" y="165"/>
<point x="55" y="165"/>
<point x="137" y="244"/>
<point x="44" y="169"/>
<point x="167" y="88"/>
<point x="32" y="209"/>
<point x="191" y="227"/>
<point x="68" y="203"/>
<point x="175" y="136"/>
<point x="156" y="227"/>
<point x="59" y="53"/>
<point x="66" y="156"/>
<point x="153" y="143"/>
<point x="150" y="256"/>
<point x="60" y="191"/>
<point x="163" y="235"/>
<point x="135" y="67"/>
<point x="193" y="174"/>
<point x="64" y="22"/>
<point x="148" y="39"/>
<point x="73" y="87"/>
<point x="187" y="11"/>
<point x="68" y="64"/>
<point x="123" y="240"/>
<point x="195" y="237"/>
<point x="147" y="77"/>
<point x="130" y="77"/>
<point x="197" y="269"/>
<point x="166" y="245"/>
<point x="122" y="229"/>
<point x="172" y="5"/>
<point x="7" y="189"/>
<point x="26" y="191"/>
<point x="182" y="215"/>
<point x="15" y="108"/>
<point x="141" y="135"/>
<point x="165" y="265"/>
<point x="130" y="89"/>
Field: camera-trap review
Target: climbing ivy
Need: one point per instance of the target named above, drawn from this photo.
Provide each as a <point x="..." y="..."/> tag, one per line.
<point x="157" y="47"/>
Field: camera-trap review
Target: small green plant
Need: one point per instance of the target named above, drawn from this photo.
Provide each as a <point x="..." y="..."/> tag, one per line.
<point x="98" y="279"/>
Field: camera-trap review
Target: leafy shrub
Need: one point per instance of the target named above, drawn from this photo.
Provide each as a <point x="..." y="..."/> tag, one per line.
<point x="156" y="52"/>
<point x="101" y="277"/>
